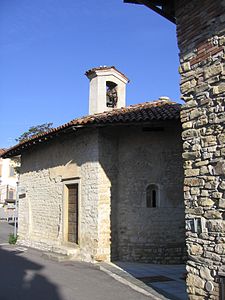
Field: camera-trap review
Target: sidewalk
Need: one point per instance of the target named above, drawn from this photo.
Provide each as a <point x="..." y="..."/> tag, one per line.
<point x="158" y="281"/>
<point x="5" y="230"/>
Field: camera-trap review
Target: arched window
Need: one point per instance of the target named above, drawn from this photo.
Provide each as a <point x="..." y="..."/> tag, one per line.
<point x="152" y="195"/>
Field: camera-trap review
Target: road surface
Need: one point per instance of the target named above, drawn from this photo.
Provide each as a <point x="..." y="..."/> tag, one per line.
<point x="26" y="275"/>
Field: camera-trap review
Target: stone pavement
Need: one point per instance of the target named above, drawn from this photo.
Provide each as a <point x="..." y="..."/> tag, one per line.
<point x="167" y="280"/>
<point x="159" y="282"/>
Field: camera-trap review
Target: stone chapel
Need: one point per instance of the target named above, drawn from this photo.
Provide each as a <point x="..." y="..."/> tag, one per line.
<point x="124" y="165"/>
<point x="107" y="186"/>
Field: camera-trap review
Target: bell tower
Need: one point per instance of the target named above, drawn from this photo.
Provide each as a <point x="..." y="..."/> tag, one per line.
<point x="107" y="89"/>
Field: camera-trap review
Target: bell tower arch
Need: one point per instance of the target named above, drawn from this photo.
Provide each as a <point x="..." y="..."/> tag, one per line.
<point x="107" y="89"/>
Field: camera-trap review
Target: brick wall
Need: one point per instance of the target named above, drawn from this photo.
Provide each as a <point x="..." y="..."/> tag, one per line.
<point x="200" y="30"/>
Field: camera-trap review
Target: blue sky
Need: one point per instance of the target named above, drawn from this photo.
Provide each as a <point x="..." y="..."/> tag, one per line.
<point x="47" y="45"/>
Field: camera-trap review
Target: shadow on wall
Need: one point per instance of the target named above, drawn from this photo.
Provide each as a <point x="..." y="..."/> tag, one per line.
<point x="21" y="280"/>
<point x="76" y="149"/>
<point x="131" y="159"/>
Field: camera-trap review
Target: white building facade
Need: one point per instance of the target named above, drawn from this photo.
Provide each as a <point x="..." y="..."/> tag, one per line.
<point x="8" y="179"/>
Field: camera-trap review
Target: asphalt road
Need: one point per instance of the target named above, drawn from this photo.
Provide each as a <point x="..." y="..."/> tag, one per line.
<point x="26" y="275"/>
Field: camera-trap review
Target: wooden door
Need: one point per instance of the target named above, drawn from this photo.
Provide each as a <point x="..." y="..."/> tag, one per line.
<point x="73" y="213"/>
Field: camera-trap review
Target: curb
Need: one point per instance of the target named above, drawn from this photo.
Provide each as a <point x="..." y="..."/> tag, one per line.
<point x="127" y="279"/>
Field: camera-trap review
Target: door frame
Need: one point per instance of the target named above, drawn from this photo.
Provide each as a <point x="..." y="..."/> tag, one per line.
<point x="66" y="183"/>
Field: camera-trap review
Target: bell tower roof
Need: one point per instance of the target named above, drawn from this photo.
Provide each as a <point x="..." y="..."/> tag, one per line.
<point x="105" y="70"/>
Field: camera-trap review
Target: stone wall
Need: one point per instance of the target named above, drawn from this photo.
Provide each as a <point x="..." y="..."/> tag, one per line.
<point x="113" y="167"/>
<point x="108" y="191"/>
<point x="140" y="233"/>
<point x="43" y="171"/>
<point x="200" y="29"/>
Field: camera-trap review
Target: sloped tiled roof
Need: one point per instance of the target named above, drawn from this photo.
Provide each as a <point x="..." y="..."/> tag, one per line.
<point x="2" y="151"/>
<point x="139" y="113"/>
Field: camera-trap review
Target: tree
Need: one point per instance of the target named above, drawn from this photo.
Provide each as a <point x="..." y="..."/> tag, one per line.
<point x="34" y="130"/>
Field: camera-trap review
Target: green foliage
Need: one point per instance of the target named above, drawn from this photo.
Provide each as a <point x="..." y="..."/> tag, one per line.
<point x="12" y="239"/>
<point x="34" y="130"/>
<point x="16" y="164"/>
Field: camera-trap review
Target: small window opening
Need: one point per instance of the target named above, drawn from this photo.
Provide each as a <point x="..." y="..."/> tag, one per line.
<point x="11" y="194"/>
<point x="11" y="171"/>
<point x="152" y="129"/>
<point x="111" y="94"/>
<point x="152" y="195"/>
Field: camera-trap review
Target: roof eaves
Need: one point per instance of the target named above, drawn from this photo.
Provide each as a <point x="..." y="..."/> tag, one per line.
<point x="165" y="8"/>
<point x="127" y="115"/>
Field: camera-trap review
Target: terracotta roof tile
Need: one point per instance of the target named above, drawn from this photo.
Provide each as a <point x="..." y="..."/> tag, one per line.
<point x="144" y="112"/>
<point x="2" y="151"/>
